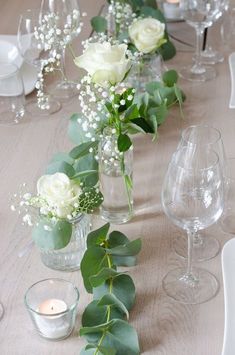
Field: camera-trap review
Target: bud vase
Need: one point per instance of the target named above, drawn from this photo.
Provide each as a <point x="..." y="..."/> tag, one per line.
<point x="69" y="258"/>
<point x="147" y="68"/>
<point x="115" y="176"/>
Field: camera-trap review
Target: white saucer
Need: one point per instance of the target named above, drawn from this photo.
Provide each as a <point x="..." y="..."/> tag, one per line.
<point x="228" y="267"/>
<point x="9" y="53"/>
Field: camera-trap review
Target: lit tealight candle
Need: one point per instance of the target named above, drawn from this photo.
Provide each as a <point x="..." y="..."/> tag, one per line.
<point x="171" y="9"/>
<point x="52" y="306"/>
<point x="53" y="322"/>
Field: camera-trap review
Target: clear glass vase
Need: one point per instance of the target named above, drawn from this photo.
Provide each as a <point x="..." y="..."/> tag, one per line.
<point x="69" y="258"/>
<point x="147" y="68"/>
<point x="115" y="174"/>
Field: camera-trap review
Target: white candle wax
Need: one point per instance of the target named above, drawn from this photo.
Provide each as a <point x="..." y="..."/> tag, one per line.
<point x="50" y="323"/>
<point x="172" y="10"/>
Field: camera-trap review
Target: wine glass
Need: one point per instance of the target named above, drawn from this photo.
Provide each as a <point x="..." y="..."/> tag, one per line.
<point x="209" y="55"/>
<point x="193" y="198"/>
<point x="66" y="17"/>
<point x="199" y="14"/>
<point x="227" y="221"/>
<point x="207" y="138"/>
<point x="34" y="53"/>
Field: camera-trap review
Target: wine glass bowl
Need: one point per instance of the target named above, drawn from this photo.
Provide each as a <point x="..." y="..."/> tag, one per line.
<point x="207" y="138"/>
<point x="192" y="198"/>
<point x="66" y="19"/>
<point x="35" y="50"/>
<point x="199" y="14"/>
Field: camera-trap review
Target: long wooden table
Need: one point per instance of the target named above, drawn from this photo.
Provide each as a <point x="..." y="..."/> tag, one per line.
<point x="164" y="327"/>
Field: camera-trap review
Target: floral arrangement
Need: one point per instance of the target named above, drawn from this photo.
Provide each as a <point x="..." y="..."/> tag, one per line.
<point x="139" y="24"/>
<point x="105" y="320"/>
<point x="59" y="201"/>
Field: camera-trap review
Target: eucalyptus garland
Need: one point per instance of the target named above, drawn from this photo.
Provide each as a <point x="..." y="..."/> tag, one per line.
<point x="105" y="320"/>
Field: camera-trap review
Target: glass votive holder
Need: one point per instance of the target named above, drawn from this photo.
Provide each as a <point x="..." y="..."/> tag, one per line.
<point x="12" y="97"/>
<point x="52" y="305"/>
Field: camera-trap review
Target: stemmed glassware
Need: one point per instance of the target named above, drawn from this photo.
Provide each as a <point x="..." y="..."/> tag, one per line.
<point x="193" y="198"/>
<point x="199" y="14"/>
<point x="207" y="138"/>
<point x="209" y="55"/>
<point x="66" y="17"/>
<point x="34" y="53"/>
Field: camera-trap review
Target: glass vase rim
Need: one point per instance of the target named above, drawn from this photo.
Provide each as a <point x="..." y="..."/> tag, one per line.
<point x="70" y="308"/>
<point x="177" y="165"/>
<point x="184" y="132"/>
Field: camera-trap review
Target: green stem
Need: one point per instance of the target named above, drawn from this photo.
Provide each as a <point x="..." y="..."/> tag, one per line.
<point x="128" y="190"/>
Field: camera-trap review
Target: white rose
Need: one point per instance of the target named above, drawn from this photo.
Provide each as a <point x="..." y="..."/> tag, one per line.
<point x="147" y="34"/>
<point x="106" y="64"/>
<point x="59" y="192"/>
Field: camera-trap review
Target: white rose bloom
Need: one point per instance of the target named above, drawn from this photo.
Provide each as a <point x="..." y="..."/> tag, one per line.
<point x="147" y="34"/>
<point x="106" y="64"/>
<point x="59" y="192"/>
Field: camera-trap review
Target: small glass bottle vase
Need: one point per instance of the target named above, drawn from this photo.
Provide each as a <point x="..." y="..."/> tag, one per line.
<point x="147" y="68"/>
<point x="69" y="258"/>
<point x="115" y="175"/>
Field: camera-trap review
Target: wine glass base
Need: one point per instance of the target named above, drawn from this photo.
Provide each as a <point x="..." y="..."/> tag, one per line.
<point x="208" y="73"/>
<point x="211" y="57"/>
<point x="64" y="90"/>
<point x="34" y="110"/>
<point x="1" y="311"/>
<point x="182" y="291"/>
<point x="227" y="224"/>
<point x="206" y="249"/>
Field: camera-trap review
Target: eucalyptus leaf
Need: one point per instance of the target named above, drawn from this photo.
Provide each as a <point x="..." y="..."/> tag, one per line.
<point x="129" y="249"/>
<point x="82" y="149"/>
<point x="102" y="276"/>
<point x="60" y="167"/>
<point x="75" y="131"/>
<point x="122" y="287"/>
<point x="95" y="314"/>
<point x="148" y="11"/>
<point x="87" y="162"/>
<point x="141" y="122"/>
<point x="170" y="77"/>
<point x="153" y="86"/>
<point x="92" y="349"/>
<point x="123" y="142"/>
<point x="115" y="239"/>
<point x="132" y="112"/>
<point x="52" y="236"/>
<point x="111" y="300"/>
<point x="167" y="50"/>
<point x="99" y="24"/>
<point x="84" y="173"/>
<point x="62" y="157"/>
<point x="92" y="262"/>
<point x="98" y="236"/>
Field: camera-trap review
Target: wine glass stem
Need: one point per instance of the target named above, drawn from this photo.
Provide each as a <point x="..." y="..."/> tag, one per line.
<point x="190" y="251"/>
<point x="197" y="67"/>
<point x="62" y="64"/>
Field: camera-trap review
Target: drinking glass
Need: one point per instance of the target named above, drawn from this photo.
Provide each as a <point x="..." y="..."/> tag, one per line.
<point x="199" y="14"/>
<point x="192" y="197"/>
<point x="35" y="53"/>
<point x="209" y="55"/>
<point x="66" y="17"/>
<point x="12" y="99"/>
<point x="227" y="221"/>
<point x="207" y="138"/>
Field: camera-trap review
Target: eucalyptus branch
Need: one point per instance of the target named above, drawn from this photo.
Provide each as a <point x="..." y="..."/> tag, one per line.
<point x="114" y="293"/>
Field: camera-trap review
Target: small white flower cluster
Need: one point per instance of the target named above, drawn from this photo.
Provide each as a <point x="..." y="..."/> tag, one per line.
<point x="49" y="34"/>
<point x="119" y="15"/>
<point x="48" y="66"/>
<point x="51" y="37"/>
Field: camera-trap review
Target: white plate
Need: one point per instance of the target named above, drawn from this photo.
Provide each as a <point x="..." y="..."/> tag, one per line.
<point x="10" y="53"/>
<point x="228" y="266"/>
